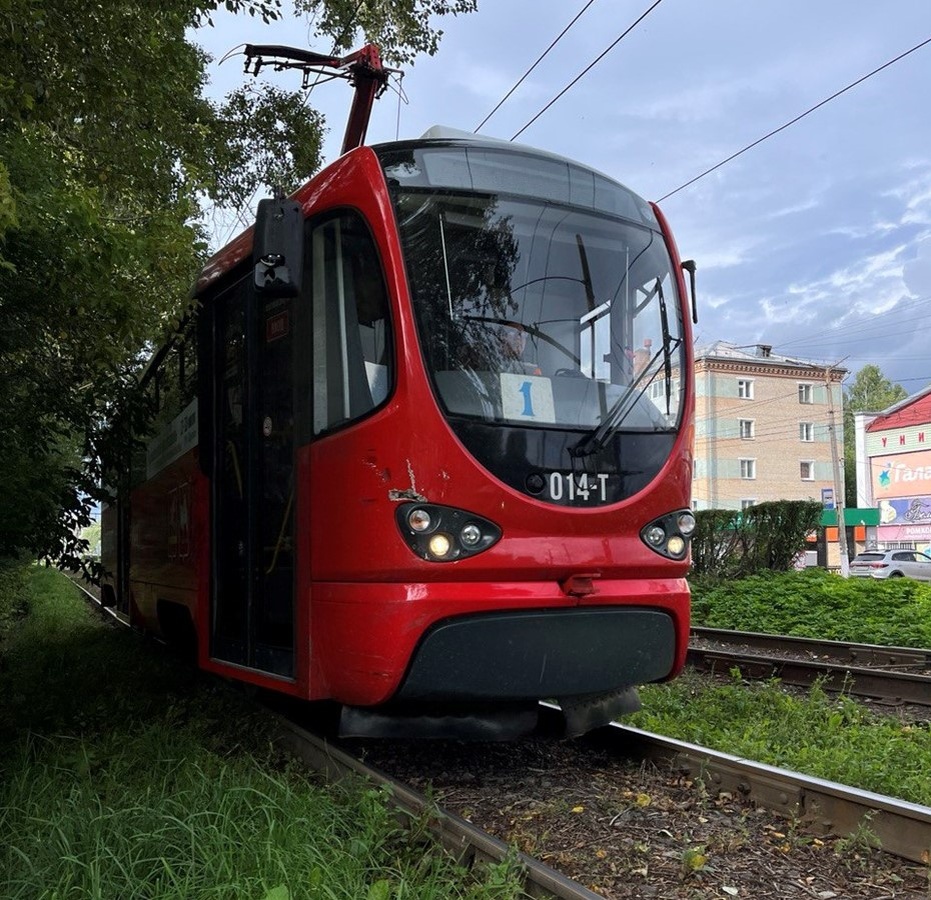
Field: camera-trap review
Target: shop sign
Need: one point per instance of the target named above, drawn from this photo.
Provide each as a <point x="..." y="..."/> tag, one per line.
<point x="906" y="475"/>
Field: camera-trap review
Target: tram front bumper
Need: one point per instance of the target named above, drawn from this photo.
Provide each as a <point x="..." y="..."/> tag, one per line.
<point x="533" y="655"/>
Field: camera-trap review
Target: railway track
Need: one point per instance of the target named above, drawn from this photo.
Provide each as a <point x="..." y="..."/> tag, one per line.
<point x="895" y="675"/>
<point x="902" y="828"/>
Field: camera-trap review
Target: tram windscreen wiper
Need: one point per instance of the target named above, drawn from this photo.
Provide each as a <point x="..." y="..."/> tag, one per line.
<point x="597" y="439"/>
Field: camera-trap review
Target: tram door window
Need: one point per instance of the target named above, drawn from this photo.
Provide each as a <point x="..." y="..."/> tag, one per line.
<point x="275" y="557"/>
<point x="352" y="368"/>
<point x="253" y="612"/>
<point x="231" y="544"/>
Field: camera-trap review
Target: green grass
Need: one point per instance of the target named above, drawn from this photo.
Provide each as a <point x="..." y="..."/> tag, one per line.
<point x="827" y="736"/>
<point x="12" y="596"/>
<point x="125" y="775"/>
<point x="814" y="603"/>
<point x="818" y="734"/>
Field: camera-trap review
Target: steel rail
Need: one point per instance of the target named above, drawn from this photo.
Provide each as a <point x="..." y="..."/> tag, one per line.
<point x="902" y="828"/>
<point x="878" y="684"/>
<point x="843" y="651"/>
<point x="466" y="843"/>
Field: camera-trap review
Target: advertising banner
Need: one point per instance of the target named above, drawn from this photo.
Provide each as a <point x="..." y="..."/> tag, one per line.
<point x="915" y="534"/>
<point x="905" y="511"/>
<point x="905" y="475"/>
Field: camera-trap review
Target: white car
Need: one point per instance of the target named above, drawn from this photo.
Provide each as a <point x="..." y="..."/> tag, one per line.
<point x="891" y="564"/>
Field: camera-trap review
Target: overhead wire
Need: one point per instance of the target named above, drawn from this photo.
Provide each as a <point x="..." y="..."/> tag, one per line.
<point x="540" y="58"/>
<point x="797" y="118"/>
<point x="588" y="68"/>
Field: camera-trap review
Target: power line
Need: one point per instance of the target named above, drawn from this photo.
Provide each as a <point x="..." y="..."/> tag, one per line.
<point x="585" y="71"/>
<point x="775" y="131"/>
<point x="539" y="60"/>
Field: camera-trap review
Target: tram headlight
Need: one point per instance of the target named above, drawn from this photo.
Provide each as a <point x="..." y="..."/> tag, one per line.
<point x="440" y="545"/>
<point x="655" y="535"/>
<point x="419" y="520"/>
<point x="470" y="535"/>
<point x="669" y="535"/>
<point x="444" y="533"/>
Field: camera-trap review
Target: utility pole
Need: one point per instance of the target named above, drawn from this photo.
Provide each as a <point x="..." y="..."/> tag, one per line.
<point x="838" y="481"/>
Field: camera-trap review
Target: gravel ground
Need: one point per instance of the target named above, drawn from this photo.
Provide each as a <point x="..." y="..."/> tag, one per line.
<point x="625" y="828"/>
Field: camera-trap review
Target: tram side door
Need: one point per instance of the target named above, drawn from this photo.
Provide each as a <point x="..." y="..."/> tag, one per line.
<point x="253" y="484"/>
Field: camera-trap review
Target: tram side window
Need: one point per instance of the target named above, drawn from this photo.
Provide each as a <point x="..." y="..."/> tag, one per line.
<point x="169" y="390"/>
<point x="353" y="357"/>
<point x="176" y="379"/>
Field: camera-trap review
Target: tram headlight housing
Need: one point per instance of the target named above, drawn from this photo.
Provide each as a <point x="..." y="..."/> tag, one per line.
<point x="444" y="533"/>
<point x="419" y="520"/>
<point x="670" y="535"/>
<point x="686" y="523"/>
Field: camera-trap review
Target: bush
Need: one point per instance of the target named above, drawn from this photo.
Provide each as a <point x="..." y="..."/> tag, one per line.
<point x="766" y="537"/>
<point x="814" y="603"/>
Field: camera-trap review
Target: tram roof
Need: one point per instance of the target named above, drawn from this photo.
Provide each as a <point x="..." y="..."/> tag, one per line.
<point x="438" y="136"/>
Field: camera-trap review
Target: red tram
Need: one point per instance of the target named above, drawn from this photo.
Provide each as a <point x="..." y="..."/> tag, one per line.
<point x="425" y="448"/>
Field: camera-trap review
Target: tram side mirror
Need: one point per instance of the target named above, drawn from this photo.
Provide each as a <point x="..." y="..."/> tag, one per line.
<point x="278" y="248"/>
<point x="688" y="265"/>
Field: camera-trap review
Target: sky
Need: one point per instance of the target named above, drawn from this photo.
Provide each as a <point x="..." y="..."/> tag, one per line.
<point x="817" y="241"/>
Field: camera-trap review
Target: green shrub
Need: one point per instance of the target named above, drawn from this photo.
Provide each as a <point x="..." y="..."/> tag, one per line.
<point x="814" y="603"/>
<point x="765" y="537"/>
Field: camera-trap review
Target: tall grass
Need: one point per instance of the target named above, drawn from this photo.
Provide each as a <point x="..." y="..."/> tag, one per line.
<point x="12" y="595"/>
<point x="831" y="737"/>
<point x="123" y="775"/>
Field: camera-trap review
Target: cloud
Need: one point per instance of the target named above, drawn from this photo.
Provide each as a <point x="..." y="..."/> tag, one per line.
<point x="795" y="208"/>
<point x="917" y="271"/>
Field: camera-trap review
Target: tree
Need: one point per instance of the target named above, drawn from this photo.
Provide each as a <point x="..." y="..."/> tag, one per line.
<point x="871" y="391"/>
<point x="109" y="149"/>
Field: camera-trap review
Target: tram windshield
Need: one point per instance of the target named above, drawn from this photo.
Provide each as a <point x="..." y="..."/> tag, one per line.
<point x="543" y="292"/>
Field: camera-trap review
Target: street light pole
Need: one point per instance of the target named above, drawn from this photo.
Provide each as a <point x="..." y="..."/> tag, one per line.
<point x="838" y="481"/>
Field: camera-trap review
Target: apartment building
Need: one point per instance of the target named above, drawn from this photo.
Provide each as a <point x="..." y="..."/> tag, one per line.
<point x="762" y="427"/>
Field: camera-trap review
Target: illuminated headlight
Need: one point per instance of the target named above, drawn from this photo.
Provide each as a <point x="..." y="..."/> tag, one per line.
<point x="440" y="545"/>
<point x="444" y="533"/>
<point x="669" y="535"/>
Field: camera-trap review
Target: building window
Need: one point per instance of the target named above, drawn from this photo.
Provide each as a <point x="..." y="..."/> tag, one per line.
<point x="806" y="432"/>
<point x="805" y="394"/>
<point x="807" y="470"/>
<point x="746" y="429"/>
<point x="746" y="504"/>
<point x="745" y="389"/>
<point x="748" y="469"/>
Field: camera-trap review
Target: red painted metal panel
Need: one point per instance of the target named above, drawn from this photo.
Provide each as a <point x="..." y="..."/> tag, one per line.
<point x="372" y="629"/>
<point x="363" y="599"/>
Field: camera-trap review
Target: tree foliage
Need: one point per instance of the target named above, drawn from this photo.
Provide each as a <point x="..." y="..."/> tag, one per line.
<point x="765" y="537"/>
<point x="109" y="150"/>
<point x="870" y="391"/>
